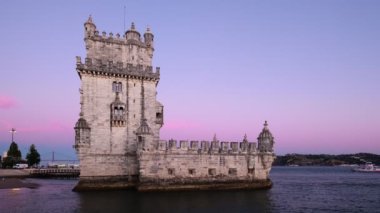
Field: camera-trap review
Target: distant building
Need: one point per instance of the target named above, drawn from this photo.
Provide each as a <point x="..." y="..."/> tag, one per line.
<point x="117" y="137"/>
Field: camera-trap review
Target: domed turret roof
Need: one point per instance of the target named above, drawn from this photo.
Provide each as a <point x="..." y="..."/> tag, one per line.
<point x="89" y="21"/>
<point x="133" y="30"/>
<point x="144" y="128"/>
<point x="81" y="124"/>
<point x="159" y="104"/>
<point x="148" y="31"/>
<point x="265" y="133"/>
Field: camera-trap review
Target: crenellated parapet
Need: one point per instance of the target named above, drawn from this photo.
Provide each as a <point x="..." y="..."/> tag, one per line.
<point x="109" y="68"/>
<point x="131" y="36"/>
<point x="110" y="38"/>
<point x="206" y="147"/>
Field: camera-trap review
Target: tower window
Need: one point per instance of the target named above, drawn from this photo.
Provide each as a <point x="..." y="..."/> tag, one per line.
<point x="171" y="171"/>
<point x="117" y="87"/>
<point x="212" y="172"/>
<point x="232" y="171"/>
<point x="191" y="171"/>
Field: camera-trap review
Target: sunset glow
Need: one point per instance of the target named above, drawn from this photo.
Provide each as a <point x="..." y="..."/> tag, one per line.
<point x="310" y="68"/>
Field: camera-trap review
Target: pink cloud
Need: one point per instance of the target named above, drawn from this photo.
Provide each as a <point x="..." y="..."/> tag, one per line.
<point x="7" y="102"/>
<point x="181" y="125"/>
<point x="52" y="126"/>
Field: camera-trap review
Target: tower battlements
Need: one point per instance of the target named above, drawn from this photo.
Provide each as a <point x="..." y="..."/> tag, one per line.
<point x="207" y="147"/>
<point x="109" y="68"/>
<point x="129" y="48"/>
<point x="118" y="39"/>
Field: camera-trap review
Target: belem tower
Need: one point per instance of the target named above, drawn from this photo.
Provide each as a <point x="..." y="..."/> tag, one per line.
<point x="117" y="137"/>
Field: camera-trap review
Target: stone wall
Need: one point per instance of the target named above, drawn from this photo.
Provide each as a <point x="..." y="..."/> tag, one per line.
<point x="105" y="139"/>
<point x="209" y="162"/>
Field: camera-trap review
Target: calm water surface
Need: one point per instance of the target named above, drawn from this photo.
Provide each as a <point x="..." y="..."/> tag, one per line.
<point x="296" y="189"/>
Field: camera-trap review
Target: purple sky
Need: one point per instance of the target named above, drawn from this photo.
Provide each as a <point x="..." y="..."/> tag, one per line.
<point x="311" y="68"/>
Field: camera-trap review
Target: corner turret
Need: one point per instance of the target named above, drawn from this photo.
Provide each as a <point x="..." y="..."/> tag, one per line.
<point x="89" y="27"/>
<point x="82" y="134"/>
<point x="132" y="34"/>
<point x="148" y="38"/>
<point x="265" y="139"/>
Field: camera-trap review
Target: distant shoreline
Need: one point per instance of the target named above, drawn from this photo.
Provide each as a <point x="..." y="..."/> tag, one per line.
<point x="14" y="173"/>
<point x="326" y="159"/>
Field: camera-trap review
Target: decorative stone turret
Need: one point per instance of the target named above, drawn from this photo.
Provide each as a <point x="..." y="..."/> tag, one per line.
<point x="244" y="144"/>
<point x="82" y="134"/>
<point x="265" y="139"/>
<point x="89" y="28"/>
<point x="148" y="38"/>
<point x="132" y="33"/>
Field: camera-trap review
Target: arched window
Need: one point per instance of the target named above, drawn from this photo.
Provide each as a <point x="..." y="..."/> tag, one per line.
<point x="117" y="86"/>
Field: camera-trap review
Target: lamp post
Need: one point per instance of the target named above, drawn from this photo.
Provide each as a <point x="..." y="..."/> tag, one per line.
<point x="13" y="131"/>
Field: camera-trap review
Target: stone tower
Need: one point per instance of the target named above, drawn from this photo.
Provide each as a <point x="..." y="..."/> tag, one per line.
<point x="119" y="110"/>
<point x="117" y="136"/>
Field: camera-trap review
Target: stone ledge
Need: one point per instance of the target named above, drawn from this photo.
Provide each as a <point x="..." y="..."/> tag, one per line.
<point x="131" y="182"/>
<point x="106" y="183"/>
<point x="231" y="185"/>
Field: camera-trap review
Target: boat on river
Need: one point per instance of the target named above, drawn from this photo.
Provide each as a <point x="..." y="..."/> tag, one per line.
<point x="368" y="167"/>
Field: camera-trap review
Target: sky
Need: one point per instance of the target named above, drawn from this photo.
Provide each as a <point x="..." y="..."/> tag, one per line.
<point x="310" y="68"/>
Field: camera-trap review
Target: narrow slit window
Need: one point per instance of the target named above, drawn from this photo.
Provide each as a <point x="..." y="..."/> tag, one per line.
<point x="212" y="172"/>
<point x="171" y="171"/>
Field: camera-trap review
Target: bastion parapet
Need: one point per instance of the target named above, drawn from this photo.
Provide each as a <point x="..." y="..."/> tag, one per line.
<point x="117" y="136"/>
<point x="119" y="69"/>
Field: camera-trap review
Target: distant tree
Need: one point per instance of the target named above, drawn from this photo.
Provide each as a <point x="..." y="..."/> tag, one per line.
<point x="33" y="157"/>
<point x="8" y="162"/>
<point x="14" y="151"/>
<point x="13" y="156"/>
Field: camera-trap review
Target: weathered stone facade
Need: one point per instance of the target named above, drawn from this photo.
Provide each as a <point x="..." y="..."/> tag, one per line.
<point x="117" y="135"/>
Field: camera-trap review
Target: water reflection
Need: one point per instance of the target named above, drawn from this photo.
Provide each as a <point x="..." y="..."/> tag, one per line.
<point x="308" y="189"/>
<point x="197" y="201"/>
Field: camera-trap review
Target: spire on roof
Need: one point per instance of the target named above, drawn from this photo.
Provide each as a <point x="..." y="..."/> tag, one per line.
<point x="133" y="26"/>
<point x="214" y="138"/>
<point x="245" y="140"/>
<point x="89" y="20"/>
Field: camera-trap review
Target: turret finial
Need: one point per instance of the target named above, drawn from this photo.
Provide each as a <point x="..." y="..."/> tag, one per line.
<point x="214" y="138"/>
<point x="133" y="26"/>
<point x="266" y="125"/>
<point x="90" y="19"/>
<point x="245" y="138"/>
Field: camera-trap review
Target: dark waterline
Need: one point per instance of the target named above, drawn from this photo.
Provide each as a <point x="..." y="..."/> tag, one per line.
<point x="296" y="189"/>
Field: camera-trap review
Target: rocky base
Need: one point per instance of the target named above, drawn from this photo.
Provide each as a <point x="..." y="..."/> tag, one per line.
<point x="225" y="185"/>
<point x="105" y="183"/>
<point x="117" y="183"/>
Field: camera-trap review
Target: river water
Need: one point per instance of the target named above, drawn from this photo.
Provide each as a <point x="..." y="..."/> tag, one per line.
<point x="296" y="189"/>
